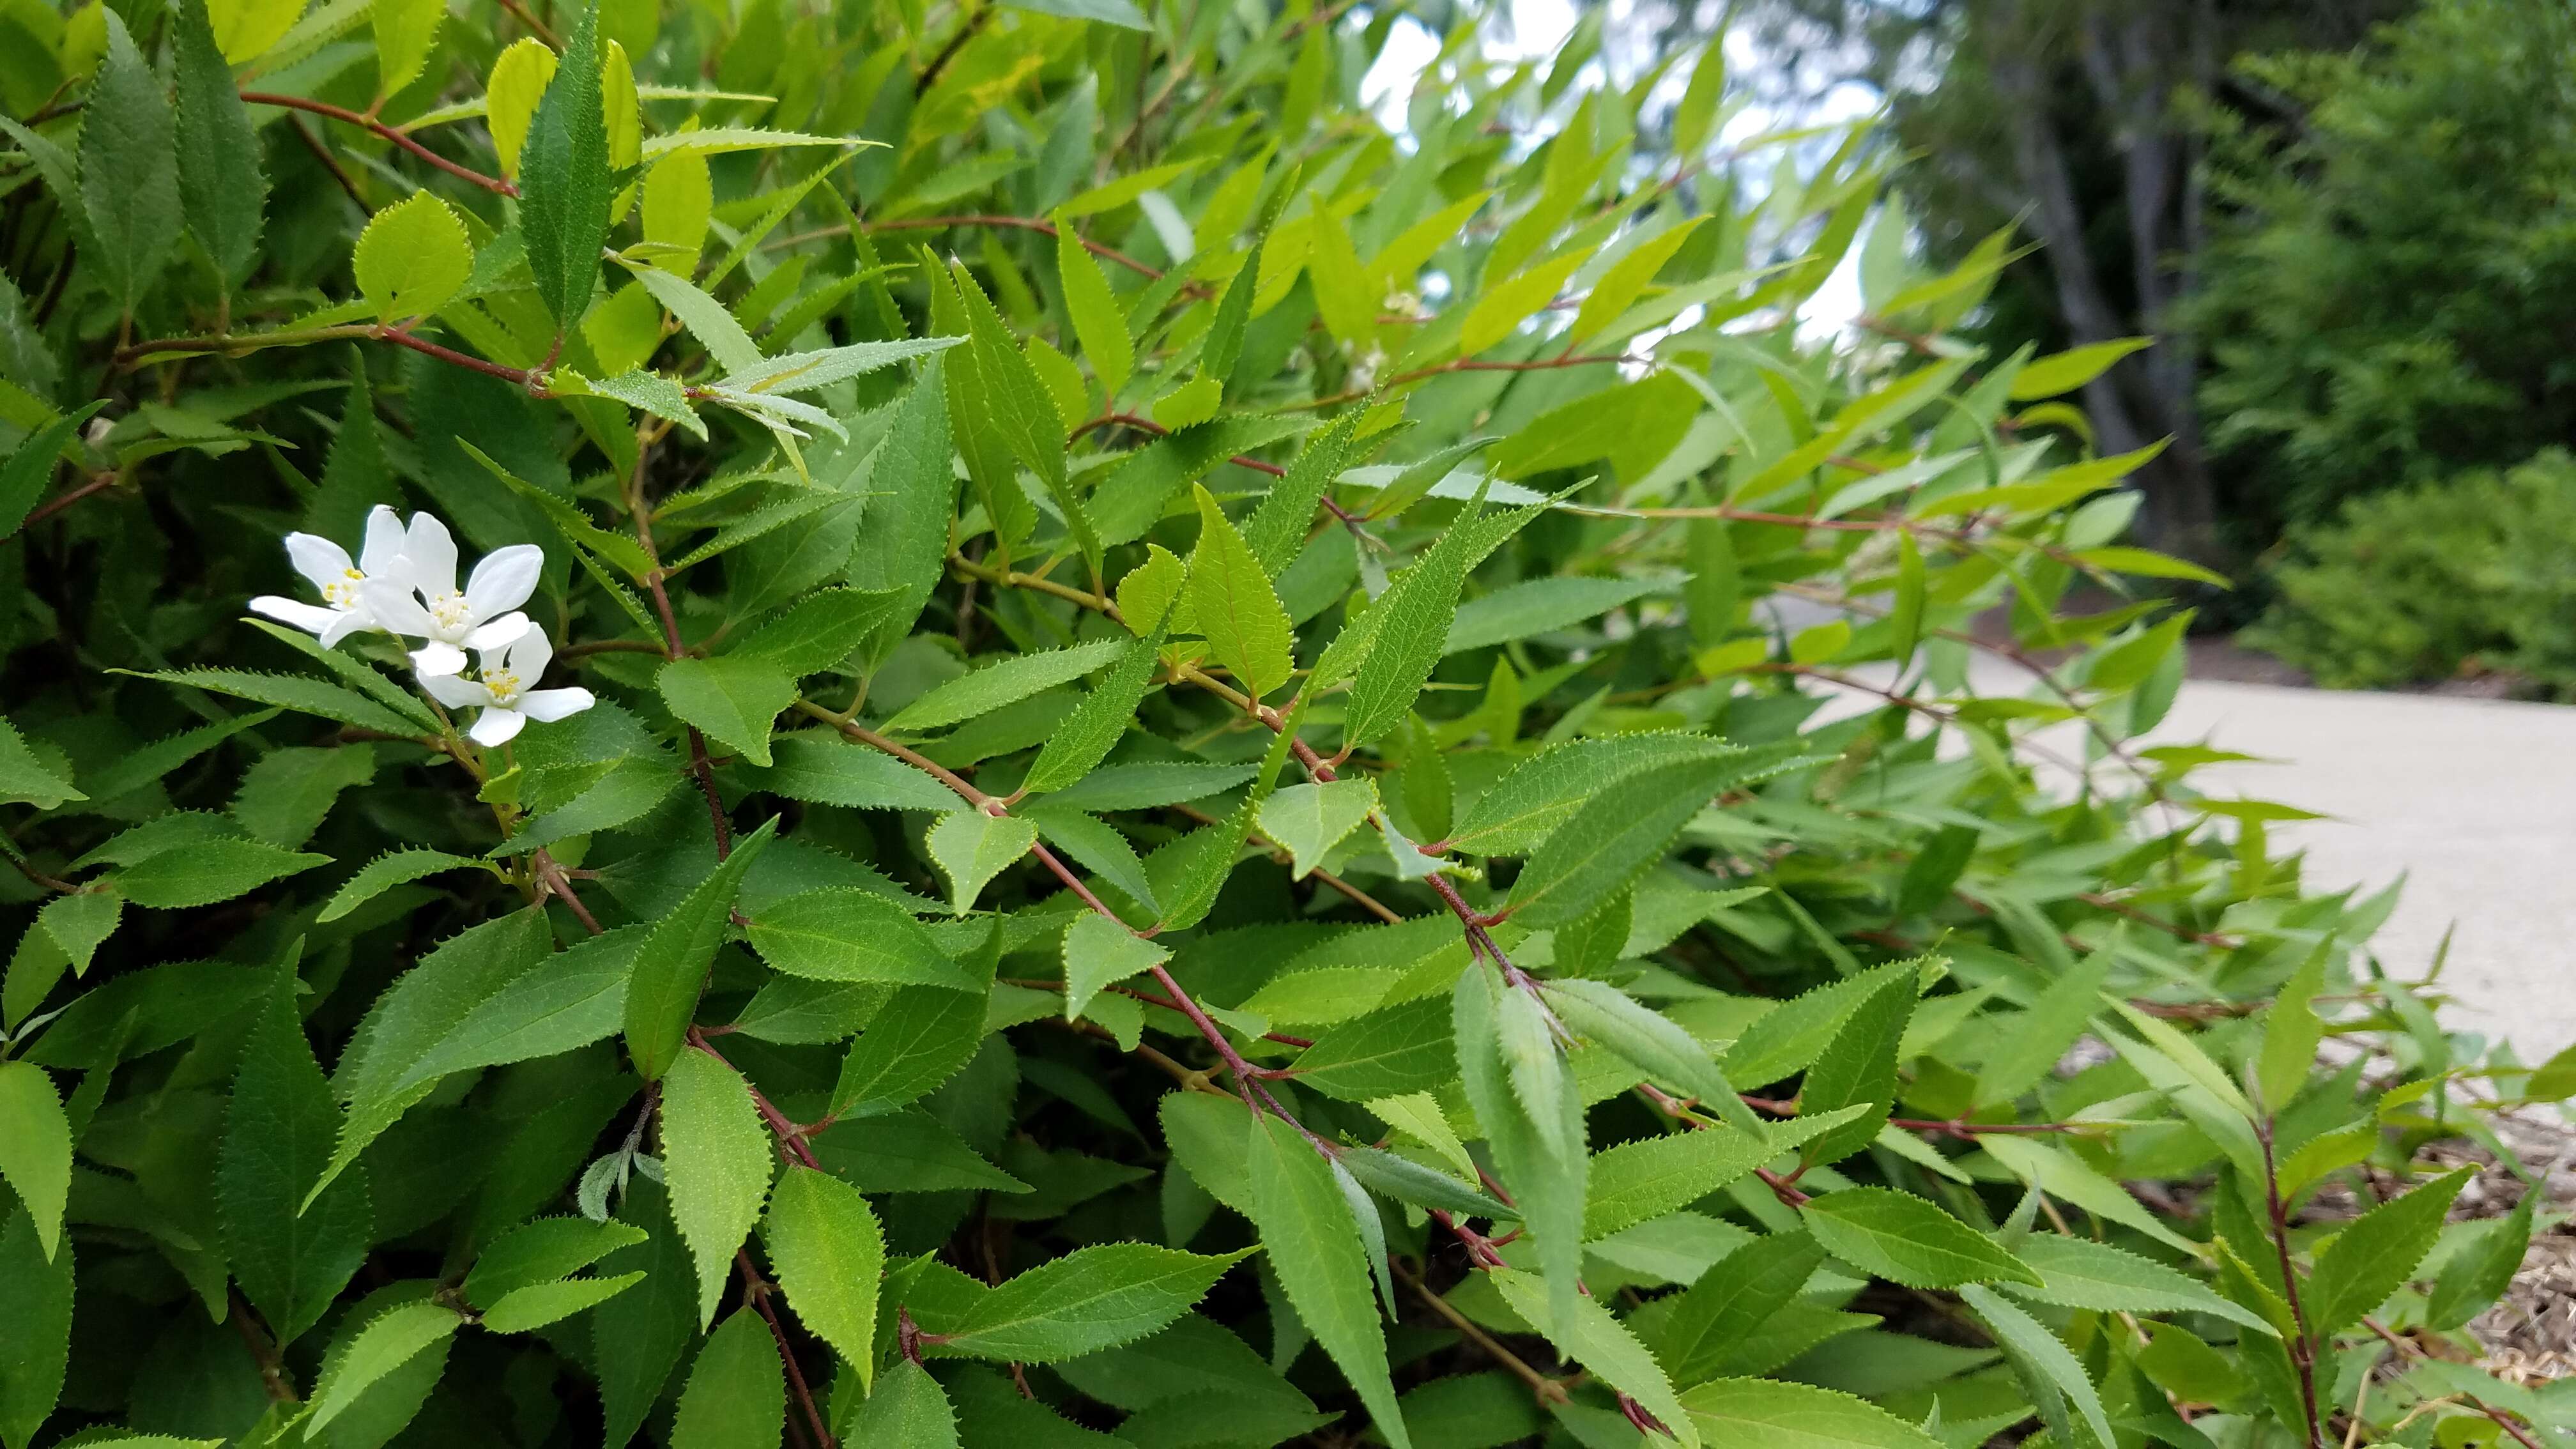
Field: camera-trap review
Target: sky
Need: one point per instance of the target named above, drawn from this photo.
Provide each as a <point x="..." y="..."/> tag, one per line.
<point x="1540" y="26"/>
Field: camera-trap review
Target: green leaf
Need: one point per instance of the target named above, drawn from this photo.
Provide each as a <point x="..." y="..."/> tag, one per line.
<point x="1121" y="13"/>
<point x="1405" y="1180"/>
<point x="708" y="320"/>
<point x="2481" y="1270"/>
<point x="209" y="871"/>
<point x="821" y="630"/>
<point x="1906" y="1240"/>
<point x="1858" y="1068"/>
<point x="653" y="393"/>
<point x="639" y="1335"/>
<point x="290" y="1258"/>
<point x="1623" y="832"/>
<point x="1277" y="529"/>
<point x="1411" y="625"/>
<point x="1102" y="719"/>
<point x="828" y="1253"/>
<point x="386" y="1342"/>
<point x="35" y="1149"/>
<point x="1007" y="682"/>
<point x="919" y="1040"/>
<point x="737" y="1392"/>
<point x="672" y="965"/>
<point x="1234" y="606"/>
<point x="285" y="796"/>
<point x="1101" y="952"/>
<point x="1778" y="1415"/>
<point x="1653" y="1043"/>
<point x="735" y="698"/>
<point x="1402" y="1048"/>
<point x="1090" y="1299"/>
<point x="1311" y="819"/>
<point x="1906" y="620"/>
<point x="2030" y="1343"/>
<point x="2023" y="1055"/>
<point x="220" y="182"/>
<point x="525" y="1309"/>
<point x="1541" y="606"/>
<point x="2081" y="1273"/>
<point x="412" y="258"/>
<point x="22" y="482"/>
<point x="844" y="933"/>
<point x="564" y="180"/>
<point x="397" y="867"/>
<point x="2291" y="1032"/>
<point x="1313" y="1243"/>
<point x="542" y="1251"/>
<point x="579" y="997"/>
<point x="1547" y="1185"/>
<point x="1098" y="322"/>
<point x="826" y="771"/>
<point x="2377" y="1254"/>
<point x="908" y="1411"/>
<point x="1604" y="1346"/>
<point x="1626" y="279"/>
<point x="129" y="170"/>
<point x="406" y="31"/>
<point x="294" y="691"/>
<point x="1021" y="414"/>
<point x="2064" y="372"/>
<point x="1733" y="1299"/>
<point x="971" y="847"/>
<point x="716" y="1158"/>
<point x="1647" y="1178"/>
<point x="80" y="923"/>
<point x="35" y="1327"/>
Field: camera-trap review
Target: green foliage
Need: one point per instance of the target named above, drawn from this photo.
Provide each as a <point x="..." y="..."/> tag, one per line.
<point x="1196" y="770"/>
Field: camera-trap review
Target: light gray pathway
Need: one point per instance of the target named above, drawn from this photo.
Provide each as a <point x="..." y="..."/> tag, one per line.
<point x="2472" y="801"/>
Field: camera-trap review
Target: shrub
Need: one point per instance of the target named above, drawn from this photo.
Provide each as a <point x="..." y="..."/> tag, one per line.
<point x="1127" y="827"/>
<point x="2421" y="582"/>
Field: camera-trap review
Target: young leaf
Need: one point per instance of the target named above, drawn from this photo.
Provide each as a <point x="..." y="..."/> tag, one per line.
<point x="972" y="847"/>
<point x="1906" y="1240"/>
<point x="737" y="1393"/>
<point x="828" y="1253"/>
<point x="35" y="1149"/>
<point x="291" y="1259"/>
<point x="219" y="177"/>
<point x="1100" y="952"/>
<point x="565" y="184"/>
<point x="671" y="966"/>
<point x="1088" y="1300"/>
<point x="1234" y="606"/>
<point x="1313" y="1243"/>
<point x="716" y="1156"/>
<point x="412" y="258"/>
<point x="1311" y="819"/>
<point x="129" y="170"/>
<point x="843" y="933"/>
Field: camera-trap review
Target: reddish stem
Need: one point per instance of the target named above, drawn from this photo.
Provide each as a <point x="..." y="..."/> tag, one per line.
<point x="349" y="117"/>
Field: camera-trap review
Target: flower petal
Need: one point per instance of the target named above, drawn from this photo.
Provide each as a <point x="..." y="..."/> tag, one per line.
<point x="529" y="654"/>
<point x="497" y="726"/>
<point x="311" y="618"/>
<point x="504" y="579"/>
<point x="318" y="558"/>
<point x="438" y="659"/>
<point x="498" y="635"/>
<point x="346" y="623"/>
<point x="382" y="552"/>
<point x="396" y="608"/>
<point x="455" y="691"/>
<point x="429" y="554"/>
<point x="549" y="705"/>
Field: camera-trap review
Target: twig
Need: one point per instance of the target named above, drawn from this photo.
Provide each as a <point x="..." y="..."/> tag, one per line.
<point x="756" y="1291"/>
<point x="1548" y="1390"/>
<point x="97" y="484"/>
<point x="2303" y="1349"/>
<point x="536" y="27"/>
<point x="975" y="23"/>
<point x="349" y="117"/>
<point x="332" y="164"/>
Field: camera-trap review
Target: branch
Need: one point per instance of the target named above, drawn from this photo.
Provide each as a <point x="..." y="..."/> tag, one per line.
<point x="756" y="1291"/>
<point x="2303" y="1349"/>
<point x="1548" y="1390"/>
<point x="370" y="123"/>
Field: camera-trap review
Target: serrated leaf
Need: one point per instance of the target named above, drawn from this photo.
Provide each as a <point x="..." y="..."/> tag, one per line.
<point x="826" y="771"/>
<point x="1090" y="1299"/>
<point x="286" y="794"/>
<point x="1020" y="414"/>
<point x="1730" y="1302"/>
<point x="1311" y="819"/>
<point x="2081" y="1273"/>
<point x="716" y="1157"/>
<point x="78" y="924"/>
<point x="1234" y="606"/>
<point x="735" y="698"/>
<point x="737" y="1393"/>
<point x="564" y="182"/>
<point x="1098" y="322"/>
<point x="1636" y="1181"/>
<point x="291" y="1259"/>
<point x="971" y="847"/>
<point x="1003" y="683"/>
<point x="22" y="481"/>
<point x="294" y="691"/>
<point x="541" y="1252"/>
<point x="653" y="393"/>
<point x="412" y="258"/>
<point x="1603" y="851"/>
<point x="1100" y="952"/>
<point x="828" y="1252"/>
<point x="35" y="1327"/>
<point x="919" y="1040"/>
<point x="1402" y="1048"/>
<point x="2028" y="1340"/>
<point x="708" y="320"/>
<point x="1313" y="1242"/>
<point x="212" y="870"/>
<point x="1857" y="1068"/>
<point x="578" y="998"/>
<point x="1278" y="528"/>
<point x="35" y="1149"/>
<point x="641" y="1333"/>
<point x="523" y="1310"/>
<point x="1907" y="1240"/>
<point x="220" y="182"/>
<point x="1095" y="727"/>
<point x="908" y="1411"/>
<point x="1408" y="1181"/>
<point x="385" y="1343"/>
<point x="844" y="933"/>
<point x="1412" y="622"/>
<point x="1604" y="1346"/>
<point x="398" y="867"/>
<point x="1780" y="1415"/>
<point x="2377" y="1254"/>
<point x="1653" y="1043"/>
<point x="129" y="170"/>
<point x="1547" y="1186"/>
<point x="671" y="966"/>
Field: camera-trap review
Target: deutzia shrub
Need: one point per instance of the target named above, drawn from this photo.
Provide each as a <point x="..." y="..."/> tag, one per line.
<point x="1133" y="755"/>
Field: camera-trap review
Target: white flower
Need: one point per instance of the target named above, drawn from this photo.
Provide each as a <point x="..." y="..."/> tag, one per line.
<point x="501" y="689"/>
<point x="343" y="610"/>
<point x="423" y="601"/>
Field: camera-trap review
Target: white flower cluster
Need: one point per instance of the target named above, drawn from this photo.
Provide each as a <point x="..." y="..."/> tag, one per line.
<point x="403" y="582"/>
